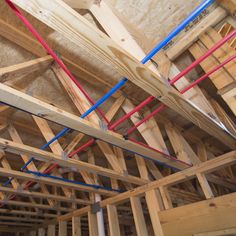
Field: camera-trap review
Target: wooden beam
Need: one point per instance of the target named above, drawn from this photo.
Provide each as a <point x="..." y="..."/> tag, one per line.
<point x="49" y="181"/>
<point x="39" y="108"/>
<point x="92" y="223"/>
<point x="205" y="185"/>
<point x="41" y="232"/>
<point x="154" y="208"/>
<point x="27" y="213"/>
<point x="24" y="68"/>
<point x="138" y="216"/>
<point x="76" y="226"/>
<point x="71" y="163"/>
<point x="62" y="228"/>
<point x="86" y="36"/>
<point x="218" y="232"/>
<point x="34" y="205"/>
<point x="44" y="196"/>
<point x="229" y="5"/>
<point x="51" y="230"/>
<point x="81" y="4"/>
<point x="192" y="35"/>
<point x="114" y="226"/>
<point x="208" y="215"/>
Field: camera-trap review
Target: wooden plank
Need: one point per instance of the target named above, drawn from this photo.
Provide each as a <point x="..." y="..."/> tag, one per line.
<point x="41" y="232"/>
<point x="49" y="157"/>
<point x="138" y="216"/>
<point x="62" y="228"/>
<point x="182" y="44"/>
<point x="205" y="186"/>
<point x="113" y="221"/>
<point x="166" y="197"/>
<point x="34" y="205"/>
<point x="26" y="213"/>
<point x="49" y="181"/>
<point x="51" y="230"/>
<point x="194" y="95"/>
<point x="148" y="130"/>
<point x="92" y="223"/>
<point x="181" y="147"/>
<point x="110" y="156"/>
<point x="209" y="39"/>
<point x="24" y="68"/>
<point x="154" y="208"/>
<point x="44" y="196"/>
<point x="208" y="215"/>
<point x="81" y="4"/>
<point x="83" y="34"/>
<point x="197" y="50"/>
<point x="229" y="5"/>
<point x="218" y="232"/>
<point x="115" y="107"/>
<point x="77" y="97"/>
<point x="76" y="226"/>
<point x="6" y="165"/>
<point x="39" y="108"/>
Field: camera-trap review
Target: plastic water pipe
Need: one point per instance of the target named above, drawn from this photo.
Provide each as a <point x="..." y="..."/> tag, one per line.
<point x="71" y="181"/>
<point x="179" y="28"/>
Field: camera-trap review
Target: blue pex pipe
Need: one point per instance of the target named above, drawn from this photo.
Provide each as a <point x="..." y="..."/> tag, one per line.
<point x="72" y="181"/>
<point x="179" y="28"/>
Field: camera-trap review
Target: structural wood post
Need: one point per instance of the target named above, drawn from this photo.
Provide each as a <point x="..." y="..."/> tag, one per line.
<point x="76" y="226"/>
<point x="113" y="220"/>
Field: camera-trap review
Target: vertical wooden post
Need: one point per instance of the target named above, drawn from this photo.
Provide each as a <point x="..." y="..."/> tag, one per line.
<point x="139" y="220"/>
<point x="154" y="208"/>
<point x="51" y="230"/>
<point x="113" y="220"/>
<point x="41" y="232"/>
<point x="76" y="226"/>
<point x="32" y="233"/>
<point x="92" y="221"/>
<point x="62" y="228"/>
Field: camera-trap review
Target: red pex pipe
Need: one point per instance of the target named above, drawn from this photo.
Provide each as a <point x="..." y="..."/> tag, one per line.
<point x="137" y="108"/>
<point x="160" y="108"/>
<point x="182" y="92"/>
<point x="208" y="74"/>
<point x="50" y="51"/>
<point x="81" y="148"/>
<point x="158" y="151"/>
<point x="203" y="57"/>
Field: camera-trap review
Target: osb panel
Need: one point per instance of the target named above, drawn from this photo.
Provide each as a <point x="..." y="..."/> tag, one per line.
<point x="156" y="18"/>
